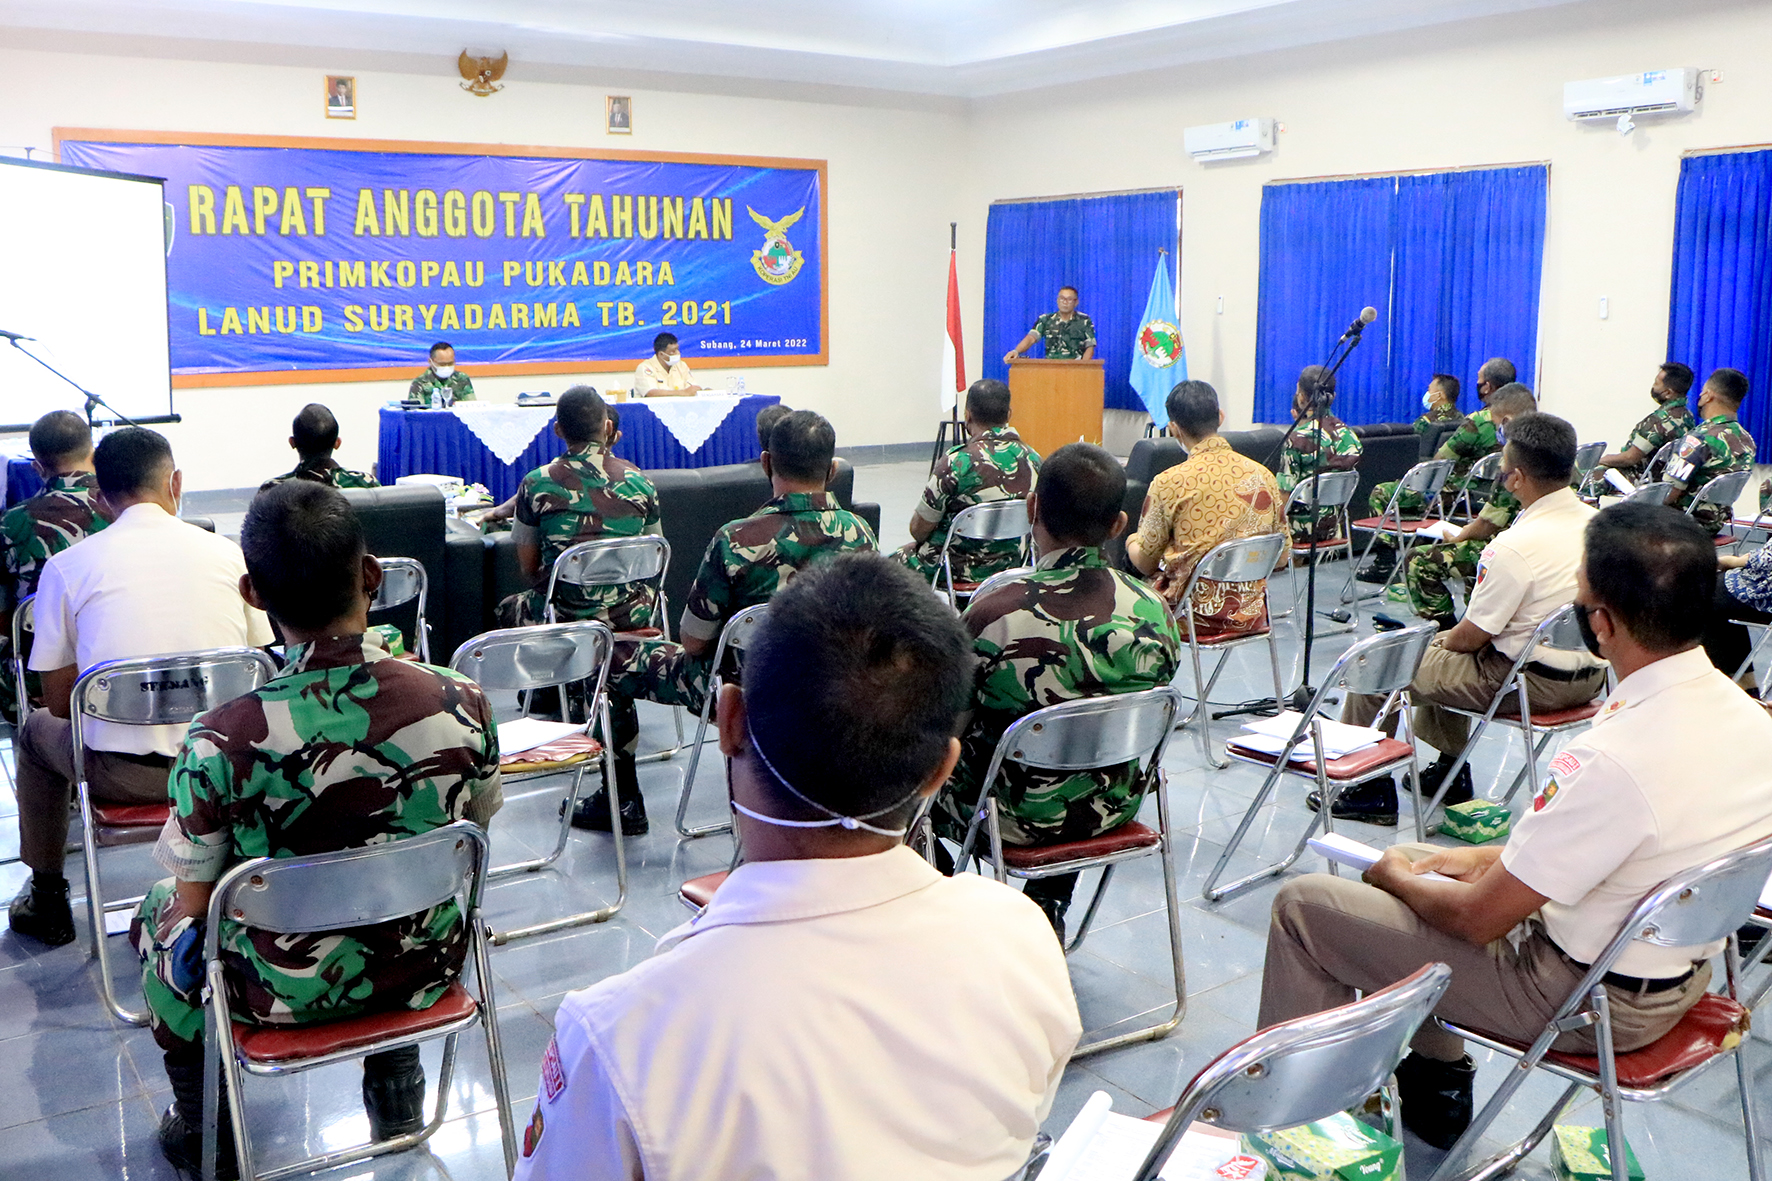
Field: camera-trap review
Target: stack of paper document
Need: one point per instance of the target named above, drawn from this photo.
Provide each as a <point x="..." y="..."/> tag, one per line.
<point x="1103" y="1145"/>
<point x="1269" y="735"/>
<point x="1356" y="854"/>
<point x="1438" y="530"/>
<point x="521" y="734"/>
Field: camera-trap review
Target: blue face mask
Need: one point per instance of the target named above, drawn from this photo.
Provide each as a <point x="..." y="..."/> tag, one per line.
<point x="1500" y="434"/>
<point x="1427" y="400"/>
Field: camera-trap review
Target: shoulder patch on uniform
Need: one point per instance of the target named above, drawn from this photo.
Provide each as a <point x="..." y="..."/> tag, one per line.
<point x="1565" y="764"/>
<point x="1543" y="798"/>
<point x="553" y="1075"/>
<point x="532" y="1134"/>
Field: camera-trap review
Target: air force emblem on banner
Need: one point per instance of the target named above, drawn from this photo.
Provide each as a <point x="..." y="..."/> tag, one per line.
<point x="777" y="261"/>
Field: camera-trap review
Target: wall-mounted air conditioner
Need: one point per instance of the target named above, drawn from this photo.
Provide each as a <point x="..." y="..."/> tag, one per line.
<point x="1229" y="141"/>
<point x="1653" y="93"/>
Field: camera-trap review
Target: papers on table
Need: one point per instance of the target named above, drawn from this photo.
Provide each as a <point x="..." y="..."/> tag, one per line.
<point x="1103" y="1145"/>
<point x="1269" y="735"/>
<point x="1347" y="851"/>
<point x="1438" y="530"/>
<point x="521" y="734"/>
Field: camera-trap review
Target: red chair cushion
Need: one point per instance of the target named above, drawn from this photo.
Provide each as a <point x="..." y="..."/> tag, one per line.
<point x="409" y="656"/>
<point x="1131" y="835"/>
<point x="698" y="892"/>
<point x="1360" y="763"/>
<point x="296" y="1043"/>
<point x="130" y="815"/>
<point x="1207" y="638"/>
<point x="1389" y="526"/>
<point x="572" y="748"/>
<point x="640" y="633"/>
<point x="1303" y="548"/>
<point x="1703" y="1033"/>
<point x="1160" y="1117"/>
<point x="1555" y="717"/>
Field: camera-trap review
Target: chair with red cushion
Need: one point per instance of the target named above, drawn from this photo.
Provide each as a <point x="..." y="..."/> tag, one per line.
<point x="166" y="690"/>
<point x="1084" y="735"/>
<point x="1698" y="907"/>
<point x="991" y="520"/>
<point x="1244" y="560"/>
<point x="1426" y="479"/>
<point x="24" y="629"/>
<point x="339" y="891"/>
<point x="622" y="561"/>
<point x="735" y="637"/>
<point x="696" y="893"/>
<point x="1559" y="632"/>
<point x="1332" y="490"/>
<point x="1382" y="665"/>
<point x="551" y="655"/>
<point x="403" y="580"/>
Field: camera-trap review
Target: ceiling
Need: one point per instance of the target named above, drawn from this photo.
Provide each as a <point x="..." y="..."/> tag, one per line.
<point x="955" y="48"/>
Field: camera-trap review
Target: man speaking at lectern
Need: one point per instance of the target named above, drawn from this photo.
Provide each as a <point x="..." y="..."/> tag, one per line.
<point x="1068" y="333"/>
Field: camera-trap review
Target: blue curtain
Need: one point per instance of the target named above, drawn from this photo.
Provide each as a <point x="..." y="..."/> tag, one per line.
<point x="1451" y="260"/>
<point x="1325" y="254"/>
<point x="1721" y="305"/>
<point x="1106" y="247"/>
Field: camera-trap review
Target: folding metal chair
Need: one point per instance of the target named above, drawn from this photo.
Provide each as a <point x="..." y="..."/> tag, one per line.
<point x="1385" y="665"/>
<point x="1559" y="632"/>
<point x="1426" y="479"/>
<point x="1000" y="578"/>
<point x="1657" y="465"/>
<point x="1305" y="1069"/>
<point x="522" y="660"/>
<point x="338" y="891"/>
<point x="1334" y="490"/>
<point x="1702" y="905"/>
<point x="23" y="626"/>
<point x="1247" y="559"/>
<point x="993" y="520"/>
<point x="1655" y="493"/>
<point x="402" y="581"/>
<point x="1740" y="534"/>
<point x="1085" y="735"/>
<point x="1485" y="472"/>
<point x="166" y="690"/>
<point x="734" y="638"/>
<point x="622" y="561"/>
<point x="1586" y="456"/>
<point x="1722" y="492"/>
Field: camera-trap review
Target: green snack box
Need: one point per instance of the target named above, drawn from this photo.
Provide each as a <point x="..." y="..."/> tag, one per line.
<point x="1339" y="1148"/>
<point x="391" y="636"/>
<point x="1476" y="822"/>
<point x="1580" y="1154"/>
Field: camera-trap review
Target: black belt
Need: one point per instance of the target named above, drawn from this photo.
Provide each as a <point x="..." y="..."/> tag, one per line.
<point x="1638" y="984"/>
<point x="1560" y="674"/>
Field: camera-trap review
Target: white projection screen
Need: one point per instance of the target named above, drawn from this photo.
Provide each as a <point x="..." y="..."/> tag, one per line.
<point x="85" y="275"/>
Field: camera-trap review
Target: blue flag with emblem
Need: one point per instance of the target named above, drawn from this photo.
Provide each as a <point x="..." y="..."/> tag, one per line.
<point x="1159" y="362"/>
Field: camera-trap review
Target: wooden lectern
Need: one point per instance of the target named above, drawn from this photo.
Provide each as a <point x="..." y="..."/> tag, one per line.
<point x="1052" y="403"/>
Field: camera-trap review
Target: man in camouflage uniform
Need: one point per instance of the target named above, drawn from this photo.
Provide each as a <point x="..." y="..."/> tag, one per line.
<point x="65" y="510"/>
<point x="314" y="435"/>
<point x="1671" y="419"/>
<point x="747" y="561"/>
<point x="993" y="464"/>
<point x="441" y="383"/>
<point x="1319" y="443"/>
<point x="1068" y="334"/>
<point x="1718" y="445"/>
<point x="1432" y="566"/>
<point x="584" y="495"/>
<point x="346" y="747"/>
<point x="1439" y="404"/>
<point x="1073" y="628"/>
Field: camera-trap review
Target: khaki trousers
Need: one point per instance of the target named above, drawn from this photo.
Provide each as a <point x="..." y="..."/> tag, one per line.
<point x="1332" y="938"/>
<point x="1468" y="680"/>
<point x="45" y="750"/>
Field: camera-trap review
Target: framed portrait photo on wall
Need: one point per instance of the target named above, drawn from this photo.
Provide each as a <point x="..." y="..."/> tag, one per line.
<point x="619" y="115"/>
<point x="341" y="97"/>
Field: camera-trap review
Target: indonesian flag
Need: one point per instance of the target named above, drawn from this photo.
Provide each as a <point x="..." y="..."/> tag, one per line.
<point x="953" y="349"/>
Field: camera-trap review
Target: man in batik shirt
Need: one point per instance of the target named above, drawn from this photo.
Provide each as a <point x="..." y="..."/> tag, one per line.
<point x="1072" y="628"/>
<point x="346" y="747"/>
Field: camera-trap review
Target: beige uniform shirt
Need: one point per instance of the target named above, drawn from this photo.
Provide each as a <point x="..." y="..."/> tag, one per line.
<point x="1527" y="572"/>
<point x="650" y="375"/>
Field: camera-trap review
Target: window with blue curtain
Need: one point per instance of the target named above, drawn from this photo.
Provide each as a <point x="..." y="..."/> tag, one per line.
<point x="1105" y="247"/>
<point x="1452" y="261"/>
<point x="1720" y="311"/>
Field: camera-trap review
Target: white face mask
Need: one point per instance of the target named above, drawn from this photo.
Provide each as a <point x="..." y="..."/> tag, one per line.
<point x="444" y="371"/>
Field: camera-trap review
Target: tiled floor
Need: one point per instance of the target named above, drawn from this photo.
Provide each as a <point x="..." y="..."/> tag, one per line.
<point x="79" y="1095"/>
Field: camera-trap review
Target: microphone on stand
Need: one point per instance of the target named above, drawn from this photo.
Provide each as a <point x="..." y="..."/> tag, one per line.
<point x="1367" y="315"/>
<point x="5" y="335"/>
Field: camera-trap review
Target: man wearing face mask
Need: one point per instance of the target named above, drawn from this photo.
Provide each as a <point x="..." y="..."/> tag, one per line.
<point x="1718" y="445"/>
<point x="1524" y="574"/>
<point x="1671" y="419"/>
<point x="441" y="383"/>
<point x="1520" y="923"/>
<point x="665" y="369"/>
<point x="148" y="585"/>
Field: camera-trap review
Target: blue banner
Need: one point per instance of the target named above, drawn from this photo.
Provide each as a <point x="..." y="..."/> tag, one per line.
<point x="317" y="261"/>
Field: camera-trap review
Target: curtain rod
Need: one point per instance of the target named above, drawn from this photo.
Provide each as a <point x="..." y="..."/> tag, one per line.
<point x="1300" y="180"/>
<point x="1176" y="189"/>
<point x="1728" y="151"/>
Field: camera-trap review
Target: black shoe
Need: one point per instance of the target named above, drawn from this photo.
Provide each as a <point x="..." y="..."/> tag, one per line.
<point x="1436" y="1097"/>
<point x="1055" y="909"/>
<point x="41" y="912"/>
<point x="1748" y="939"/>
<point x="593" y="813"/>
<point x="1384" y="623"/>
<point x="1372" y="802"/>
<point x="1434" y="774"/>
<point x="394" y="1093"/>
<point x="182" y="1145"/>
<point x="1379" y="567"/>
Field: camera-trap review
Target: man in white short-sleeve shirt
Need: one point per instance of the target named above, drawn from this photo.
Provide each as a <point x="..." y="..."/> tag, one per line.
<point x="1626" y="806"/>
<point x="1524" y="574"/>
<point x="149" y="584"/>
<point x="665" y="369"/>
<point x="840" y="1010"/>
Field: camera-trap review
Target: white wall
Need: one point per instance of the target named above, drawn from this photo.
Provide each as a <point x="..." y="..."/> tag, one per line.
<point x="891" y="195"/>
<point x="1486" y="92"/>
